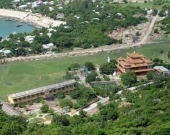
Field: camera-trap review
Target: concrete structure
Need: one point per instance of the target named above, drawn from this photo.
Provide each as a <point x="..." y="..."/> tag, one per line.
<point x="48" y="47"/>
<point x="37" y="3"/>
<point x="59" y="16"/>
<point x="29" y="38"/>
<point x="42" y="92"/>
<point x="160" y="69"/>
<point x="9" y="110"/>
<point x="22" y="7"/>
<point x="138" y="63"/>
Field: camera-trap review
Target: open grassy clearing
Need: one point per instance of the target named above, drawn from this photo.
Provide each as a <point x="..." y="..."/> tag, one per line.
<point x="21" y="76"/>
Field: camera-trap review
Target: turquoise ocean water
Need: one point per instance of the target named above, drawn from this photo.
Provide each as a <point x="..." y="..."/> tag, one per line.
<point x="8" y="27"/>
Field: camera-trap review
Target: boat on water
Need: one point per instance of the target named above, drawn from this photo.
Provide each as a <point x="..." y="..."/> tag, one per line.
<point x="8" y="19"/>
<point x="19" y="25"/>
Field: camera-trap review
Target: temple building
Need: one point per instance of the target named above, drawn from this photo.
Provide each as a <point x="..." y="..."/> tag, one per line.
<point x="136" y="62"/>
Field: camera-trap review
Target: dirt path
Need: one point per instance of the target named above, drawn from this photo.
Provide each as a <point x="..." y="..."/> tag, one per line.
<point x="86" y="51"/>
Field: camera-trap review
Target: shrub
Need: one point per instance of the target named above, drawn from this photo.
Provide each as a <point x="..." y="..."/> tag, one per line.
<point x="106" y="78"/>
<point x="65" y="103"/>
<point x="44" y="109"/>
<point x="21" y="105"/>
<point x="60" y="95"/>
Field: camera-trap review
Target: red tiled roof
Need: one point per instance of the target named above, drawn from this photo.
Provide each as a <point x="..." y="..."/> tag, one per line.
<point x="159" y="70"/>
<point x="134" y="55"/>
<point x="138" y="65"/>
<point x="120" y="58"/>
<point x="142" y="56"/>
<point x="148" y="61"/>
<point x="148" y="69"/>
<point x="121" y="69"/>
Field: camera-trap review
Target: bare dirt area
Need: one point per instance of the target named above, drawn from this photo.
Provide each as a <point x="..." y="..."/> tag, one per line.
<point x="54" y="104"/>
<point x="31" y="109"/>
<point x="130" y="35"/>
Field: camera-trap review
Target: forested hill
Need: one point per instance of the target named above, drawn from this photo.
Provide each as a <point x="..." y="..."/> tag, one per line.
<point x="143" y="112"/>
<point x="89" y="22"/>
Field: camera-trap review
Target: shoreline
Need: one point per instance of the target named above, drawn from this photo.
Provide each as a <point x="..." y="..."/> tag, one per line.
<point x="36" y="20"/>
<point x="21" y="21"/>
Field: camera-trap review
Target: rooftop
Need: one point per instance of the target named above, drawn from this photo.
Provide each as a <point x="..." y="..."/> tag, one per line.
<point x="41" y="89"/>
<point x="9" y="110"/>
<point x="161" y="68"/>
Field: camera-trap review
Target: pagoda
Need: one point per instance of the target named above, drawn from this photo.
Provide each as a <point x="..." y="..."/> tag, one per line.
<point x="138" y="63"/>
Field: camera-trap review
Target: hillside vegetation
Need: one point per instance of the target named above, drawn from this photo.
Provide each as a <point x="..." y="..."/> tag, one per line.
<point x="143" y="112"/>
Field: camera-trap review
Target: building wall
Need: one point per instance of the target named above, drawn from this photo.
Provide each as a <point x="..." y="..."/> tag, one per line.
<point x="10" y="100"/>
<point x="49" y="93"/>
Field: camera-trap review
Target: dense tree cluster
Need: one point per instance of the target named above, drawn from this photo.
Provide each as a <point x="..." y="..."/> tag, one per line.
<point x="11" y="125"/>
<point x="108" y="68"/>
<point x="128" y="78"/>
<point x="145" y="111"/>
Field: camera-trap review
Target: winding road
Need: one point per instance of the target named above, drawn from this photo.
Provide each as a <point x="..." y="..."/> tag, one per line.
<point x="87" y="51"/>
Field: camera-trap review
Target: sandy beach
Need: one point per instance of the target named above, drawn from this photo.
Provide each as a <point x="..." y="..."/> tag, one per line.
<point x="35" y="19"/>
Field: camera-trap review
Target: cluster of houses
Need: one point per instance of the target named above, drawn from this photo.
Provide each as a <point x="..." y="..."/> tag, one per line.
<point x="16" y="3"/>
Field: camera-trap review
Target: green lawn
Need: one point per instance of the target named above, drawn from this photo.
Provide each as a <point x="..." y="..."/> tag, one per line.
<point x="21" y="76"/>
<point x="37" y="120"/>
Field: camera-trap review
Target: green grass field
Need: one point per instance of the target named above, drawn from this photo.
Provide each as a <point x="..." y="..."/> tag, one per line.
<point x="21" y="76"/>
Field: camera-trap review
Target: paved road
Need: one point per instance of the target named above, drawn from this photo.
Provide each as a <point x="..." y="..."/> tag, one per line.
<point x="148" y="32"/>
<point x="145" y="36"/>
<point x="92" y="106"/>
<point x="133" y="88"/>
<point x="82" y="78"/>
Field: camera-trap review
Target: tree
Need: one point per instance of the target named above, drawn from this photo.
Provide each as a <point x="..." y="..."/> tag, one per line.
<point x="75" y="66"/>
<point x="21" y="38"/>
<point x="66" y="102"/>
<point x="60" y="95"/>
<point x="89" y="65"/>
<point x="60" y="120"/>
<point x="82" y="113"/>
<point x="161" y="51"/>
<point x="128" y="78"/>
<point x="155" y="12"/>
<point x="44" y="108"/>
<point x="91" y="77"/>
<point x="155" y="30"/>
<point x="149" y="75"/>
<point x="108" y="68"/>
<point x="158" y="80"/>
<point x="37" y="48"/>
<point x="168" y="54"/>
<point x="125" y="1"/>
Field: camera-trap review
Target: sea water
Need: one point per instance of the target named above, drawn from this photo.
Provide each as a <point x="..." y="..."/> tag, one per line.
<point x="9" y="27"/>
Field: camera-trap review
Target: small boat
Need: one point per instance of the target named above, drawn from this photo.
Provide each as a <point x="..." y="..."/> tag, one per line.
<point x="8" y="19"/>
<point x="19" y="25"/>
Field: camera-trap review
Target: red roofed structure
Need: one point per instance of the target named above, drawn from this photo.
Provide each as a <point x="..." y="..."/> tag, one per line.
<point x="138" y="63"/>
